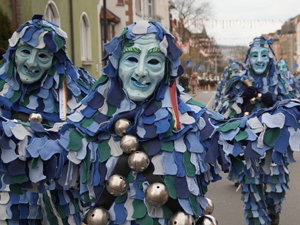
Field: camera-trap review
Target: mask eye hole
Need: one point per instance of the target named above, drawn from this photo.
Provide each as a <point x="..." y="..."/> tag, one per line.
<point x="25" y="51"/>
<point x="153" y="61"/>
<point x="132" y="59"/>
<point x="43" y="56"/>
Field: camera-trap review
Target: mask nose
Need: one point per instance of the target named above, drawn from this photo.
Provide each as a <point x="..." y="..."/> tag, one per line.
<point x="32" y="57"/>
<point x="141" y="71"/>
<point x="259" y="58"/>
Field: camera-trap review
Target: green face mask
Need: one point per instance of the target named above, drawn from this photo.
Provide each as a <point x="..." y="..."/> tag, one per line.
<point x="142" y="67"/>
<point x="282" y="67"/>
<point x="259" y="59"/>
<point x="32" y="63"/>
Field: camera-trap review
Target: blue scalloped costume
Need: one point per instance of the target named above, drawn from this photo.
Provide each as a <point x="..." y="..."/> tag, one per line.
<point x="231" y="72"/>
<point x="265" y="180"/>
<point x="42" y="96"/>
<point x="233" y="104"/>
<point x="77" y="162"/>
<point x="18" y="100"/>
<point x="293" y="82"/>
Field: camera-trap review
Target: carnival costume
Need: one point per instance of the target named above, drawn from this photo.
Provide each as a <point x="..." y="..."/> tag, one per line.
<point x="265" y="182"/>
<point x="288" y="75"/>
<point x="234" y="105"/>
<point x="47" y="101"/>
<point x="181" y="142"/>
<point x="230" y="73"/>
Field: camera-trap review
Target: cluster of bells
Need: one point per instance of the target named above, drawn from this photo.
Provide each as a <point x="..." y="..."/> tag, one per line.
<point x="253" y="101"/>
<point x="33" y="117"/>
<point x="156" y="194"/>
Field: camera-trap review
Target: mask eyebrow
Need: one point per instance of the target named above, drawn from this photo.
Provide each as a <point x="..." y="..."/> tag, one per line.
<point x="131" y="49"/>
<point x="153" y="50"/>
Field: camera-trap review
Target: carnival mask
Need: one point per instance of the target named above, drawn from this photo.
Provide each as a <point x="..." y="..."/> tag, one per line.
<point x="259" y="59"/>
<point x="142" y="67"/>
<point x="32" y="63"/>
<point x="282" y="67"/>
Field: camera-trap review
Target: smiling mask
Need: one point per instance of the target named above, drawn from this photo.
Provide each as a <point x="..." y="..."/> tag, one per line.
<point x="282" y="66"/>
<point x="142" y="67"/>
<point x="259" y="59"/>
<point x="32" y="63"/>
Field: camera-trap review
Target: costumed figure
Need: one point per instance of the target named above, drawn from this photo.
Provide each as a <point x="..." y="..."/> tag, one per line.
<point x="38" y="83"/>
<point x="260" y="86"/>
<point x="261" y="83"/>
<point x="288" y="75"/>
<point x="184" y="82"/>
<point x="230" y="72"/>
<point x="138" y="150"/>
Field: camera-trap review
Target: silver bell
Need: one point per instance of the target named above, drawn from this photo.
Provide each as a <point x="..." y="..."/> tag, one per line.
<point x="209" y="208"/>
<point x="259" y="96"/>
<point x="35" y="117"/>
<point x="117" y="185"/>
<point x="246" y="113"/>
<point x="129" y="144"/>
<point x="138" y="161"/>
<point x="253" y="101"/>
<point x="157" y="194"/>
<point x="181" y="218"/>
<point x="121" y="127"/>
<point x="207" y="220"/>
<point x="97" y="216"/>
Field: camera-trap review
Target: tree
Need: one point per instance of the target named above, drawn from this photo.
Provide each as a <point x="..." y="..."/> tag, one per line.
<point x="188" y="11"/>
<point x="5" y="30"/>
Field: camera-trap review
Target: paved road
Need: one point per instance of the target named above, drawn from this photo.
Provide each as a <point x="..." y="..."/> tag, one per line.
<point x="227" y="201"/>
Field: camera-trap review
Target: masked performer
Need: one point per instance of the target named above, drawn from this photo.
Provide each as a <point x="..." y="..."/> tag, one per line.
<point x="231" y="72"/>
<point x="288" y="75"/>
<point x="39" y="83"/>
<point x="260" y="86"/>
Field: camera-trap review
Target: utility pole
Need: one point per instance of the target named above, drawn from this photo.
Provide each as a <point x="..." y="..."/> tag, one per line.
<point x="104" y="22"/>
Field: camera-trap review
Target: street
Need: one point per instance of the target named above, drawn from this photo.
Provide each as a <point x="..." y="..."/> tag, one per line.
<point x="228" y="206"/>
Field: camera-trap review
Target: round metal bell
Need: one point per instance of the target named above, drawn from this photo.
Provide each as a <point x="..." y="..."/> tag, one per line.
<point x="97" y="216"/>
<point x="129" y="144"/>
<point x="121" y="127"/>
<point x="207" y="220"/>
<point x="117" y="185"/>
<point x="180" y="218"/>
<point x="258" y="97"/>
<point x="138" y="161"/>
<point x="209" y="208"/>
<point x="157" y="194"/>
<point x="252" y="101"/>
<point x="246" y="113"/>
<point x="35" y="117"/>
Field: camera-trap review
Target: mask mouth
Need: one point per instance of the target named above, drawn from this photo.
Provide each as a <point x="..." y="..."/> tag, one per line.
<point x="31" y="71"/>
<point x="138" y="84"/>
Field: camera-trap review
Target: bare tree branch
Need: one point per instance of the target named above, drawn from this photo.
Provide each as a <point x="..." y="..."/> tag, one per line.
<point x="189" y="10"/>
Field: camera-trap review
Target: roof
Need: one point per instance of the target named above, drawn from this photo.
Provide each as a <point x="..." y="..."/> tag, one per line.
<point x="110" y="16"/>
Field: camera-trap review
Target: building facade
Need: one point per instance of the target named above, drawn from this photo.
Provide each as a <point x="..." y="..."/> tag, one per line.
<point x="120" y="13"/>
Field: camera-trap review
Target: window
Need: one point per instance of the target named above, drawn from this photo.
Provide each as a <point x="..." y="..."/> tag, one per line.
<point x="85" y="38"/>
<point x="150" y="8"/>
<point x="138" y="7"/>
<point x="51" y="13"/>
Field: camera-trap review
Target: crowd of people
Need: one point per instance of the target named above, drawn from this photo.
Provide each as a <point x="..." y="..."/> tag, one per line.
<point x="200" y="81"/>
<point x="133" y="147"/>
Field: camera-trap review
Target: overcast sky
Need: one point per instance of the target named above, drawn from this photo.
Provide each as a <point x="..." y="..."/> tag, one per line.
<point x="237" y="22"/>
